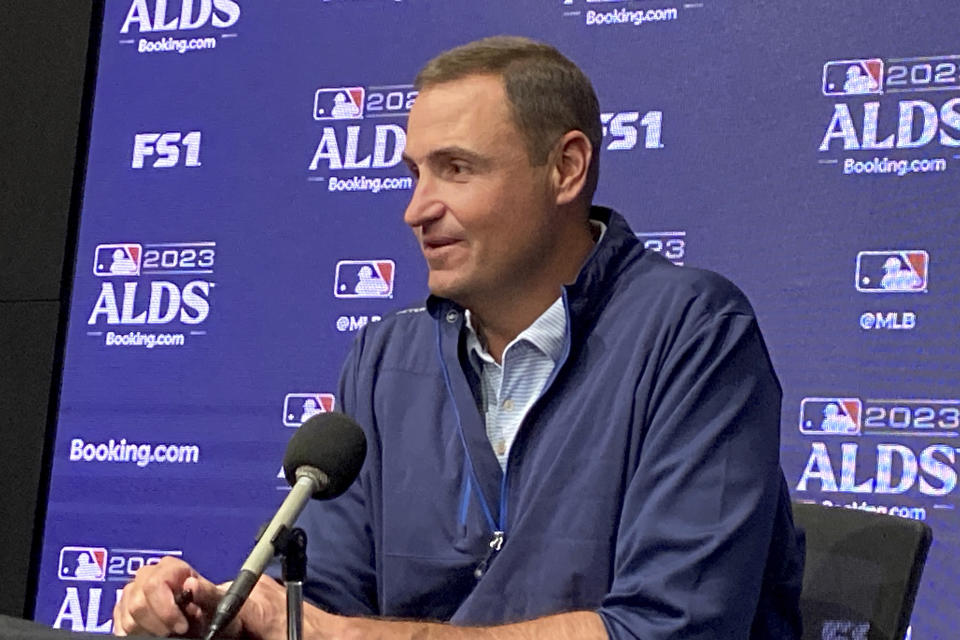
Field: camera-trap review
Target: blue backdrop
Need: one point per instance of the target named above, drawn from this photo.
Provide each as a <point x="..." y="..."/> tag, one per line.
<point x="241" y="219"/>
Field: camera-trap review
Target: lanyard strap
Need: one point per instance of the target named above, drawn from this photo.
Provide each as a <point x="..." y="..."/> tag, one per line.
<point x="484" y="505"/>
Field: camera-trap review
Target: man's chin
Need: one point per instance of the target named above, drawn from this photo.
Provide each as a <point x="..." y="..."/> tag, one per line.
<point x="443" y="286"/>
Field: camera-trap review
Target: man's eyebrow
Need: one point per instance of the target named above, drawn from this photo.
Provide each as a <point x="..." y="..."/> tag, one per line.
<point x="452" y="152"/>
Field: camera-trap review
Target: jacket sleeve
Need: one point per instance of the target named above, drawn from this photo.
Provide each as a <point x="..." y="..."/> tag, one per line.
<point x="341" y="575"/>
<point x="699" y="511"/>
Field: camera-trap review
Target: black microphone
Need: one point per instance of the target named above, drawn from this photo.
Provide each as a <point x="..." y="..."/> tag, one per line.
<point x="323" y="459"/>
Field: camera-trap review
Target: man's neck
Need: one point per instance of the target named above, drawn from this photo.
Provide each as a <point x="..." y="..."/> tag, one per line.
<point x="505" y="325"/>
<point x="502" y="317"/>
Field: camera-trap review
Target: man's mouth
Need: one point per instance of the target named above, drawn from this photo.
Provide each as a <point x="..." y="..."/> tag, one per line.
<point x="437" y="247"/>
<point x="438" y="242"/>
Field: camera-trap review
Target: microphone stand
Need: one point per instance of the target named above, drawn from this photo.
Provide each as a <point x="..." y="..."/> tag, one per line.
<point x="293" y="548"/>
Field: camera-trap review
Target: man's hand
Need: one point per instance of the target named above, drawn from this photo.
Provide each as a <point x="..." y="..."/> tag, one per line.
<point x="147" y="605"/>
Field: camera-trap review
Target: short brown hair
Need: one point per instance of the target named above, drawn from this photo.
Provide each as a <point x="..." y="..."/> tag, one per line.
<point x="548" y="94"/>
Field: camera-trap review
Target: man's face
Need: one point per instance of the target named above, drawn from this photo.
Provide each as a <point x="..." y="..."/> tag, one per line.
<point x="481" y="212"/>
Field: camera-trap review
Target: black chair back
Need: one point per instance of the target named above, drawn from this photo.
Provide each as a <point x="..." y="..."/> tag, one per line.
<point x="861" y="574"/>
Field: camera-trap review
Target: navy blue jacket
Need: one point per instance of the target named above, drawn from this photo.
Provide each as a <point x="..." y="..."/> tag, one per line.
<point x="644" y="483"/>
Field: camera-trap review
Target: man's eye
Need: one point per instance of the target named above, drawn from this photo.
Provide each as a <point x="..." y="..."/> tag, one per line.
<point x="457" y="169"/>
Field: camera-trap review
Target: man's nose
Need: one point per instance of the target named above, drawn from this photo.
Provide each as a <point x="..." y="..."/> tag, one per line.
<point x="424" y="206"/>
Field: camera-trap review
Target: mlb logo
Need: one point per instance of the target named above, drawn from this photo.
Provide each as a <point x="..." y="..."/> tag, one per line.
<point x="853" y="77"/>
<point x="300" y="407"/>
<point x="892" y="271"/>
<point x="820" y="416"/>
<point x="88" y="564"/>
<point x="339" y="103"/>
<point x="364" y="279"/>
<point x="117" y="260"/>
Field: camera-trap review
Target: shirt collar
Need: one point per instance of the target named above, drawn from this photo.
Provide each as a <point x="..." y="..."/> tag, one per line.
<point x="546" y="334"/>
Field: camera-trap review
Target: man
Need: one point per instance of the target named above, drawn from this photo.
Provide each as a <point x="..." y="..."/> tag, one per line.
<point x="573" y="439"/>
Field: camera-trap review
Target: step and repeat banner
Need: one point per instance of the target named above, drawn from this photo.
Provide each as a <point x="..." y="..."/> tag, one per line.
<point x="242" y="219"/>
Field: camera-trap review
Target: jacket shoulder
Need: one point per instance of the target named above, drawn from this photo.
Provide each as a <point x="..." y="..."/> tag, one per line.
<point x="654" y="280"/>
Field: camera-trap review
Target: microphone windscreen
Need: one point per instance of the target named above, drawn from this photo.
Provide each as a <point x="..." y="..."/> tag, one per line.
<point x="333" y="443"/>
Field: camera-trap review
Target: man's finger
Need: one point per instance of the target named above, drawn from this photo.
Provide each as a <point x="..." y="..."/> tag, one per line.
<point x="206" y="594"/>
<point x="118" y="629"/>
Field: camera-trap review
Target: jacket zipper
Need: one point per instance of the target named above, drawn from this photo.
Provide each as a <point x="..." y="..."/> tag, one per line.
<point x="496" y="543"/>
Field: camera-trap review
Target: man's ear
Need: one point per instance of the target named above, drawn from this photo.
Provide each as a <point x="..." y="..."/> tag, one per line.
<point x="570" y="165"/>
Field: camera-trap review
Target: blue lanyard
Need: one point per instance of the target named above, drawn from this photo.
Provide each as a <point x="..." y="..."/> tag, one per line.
<point x="498" y="528"/>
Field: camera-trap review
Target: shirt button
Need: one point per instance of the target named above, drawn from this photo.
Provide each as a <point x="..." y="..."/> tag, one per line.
<point x="500" y="447"/>
<point x="508" y="404"/>
<point x="452" y="316"/>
